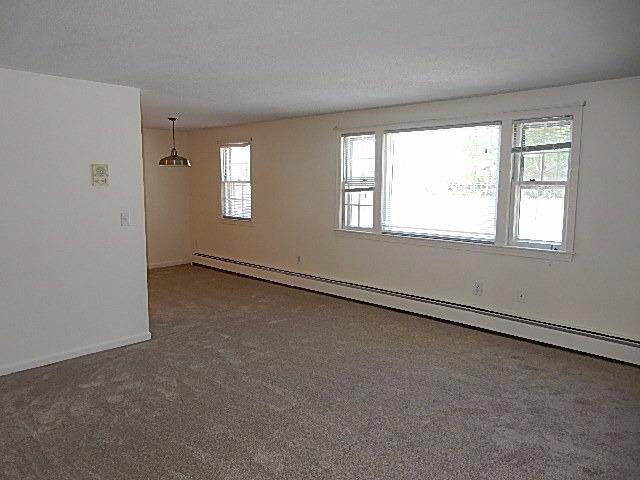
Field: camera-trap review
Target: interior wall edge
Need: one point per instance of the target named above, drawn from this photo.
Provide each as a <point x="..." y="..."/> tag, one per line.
<point x="73" y="353"/>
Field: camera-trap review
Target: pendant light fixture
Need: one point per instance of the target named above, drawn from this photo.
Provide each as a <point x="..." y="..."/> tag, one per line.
<point x="174" y="160"/>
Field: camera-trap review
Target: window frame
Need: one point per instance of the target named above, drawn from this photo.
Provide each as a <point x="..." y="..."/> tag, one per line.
<point x="341" y="182"/>
<point x="517" y="186"/>
<point x="502" y="244"/>
<point x="232" y="218"/>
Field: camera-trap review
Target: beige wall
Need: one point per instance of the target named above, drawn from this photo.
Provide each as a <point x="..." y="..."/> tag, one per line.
<point x="72" y="280"/>
<point x="294" y="172"/>
<point x="166" y="201"/>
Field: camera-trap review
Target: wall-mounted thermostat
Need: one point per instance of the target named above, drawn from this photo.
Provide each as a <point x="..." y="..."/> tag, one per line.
<point x="99" y="174"/>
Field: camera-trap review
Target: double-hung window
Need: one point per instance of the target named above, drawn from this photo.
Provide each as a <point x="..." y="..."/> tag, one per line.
<point x="541" y="156"/>
<point x="507" y="181"/>
<point x="358" y="180"/>
<point x="235" y="170"/>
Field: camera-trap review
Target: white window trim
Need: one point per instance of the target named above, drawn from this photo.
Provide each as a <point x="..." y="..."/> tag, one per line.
<point x="504" y="210"/>
<point x="340" y="178"/>
<point x="571" y="192"/>
<point x="225" y="218"/>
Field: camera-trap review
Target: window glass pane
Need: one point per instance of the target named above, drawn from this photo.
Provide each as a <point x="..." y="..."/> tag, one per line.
<point x="556" y="165"/>
<point x="531" y="166"/>
<point x="544" y="131"/>
<point x="359" y="154"/>
<point x="442" y="182"/>
<point x="236" y="163"/>
<point x="358" y="211"/>
<point x="236" y="199"/>
<point x="541" y="214"/>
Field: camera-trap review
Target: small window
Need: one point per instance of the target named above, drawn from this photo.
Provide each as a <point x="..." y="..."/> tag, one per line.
<point x="541" y="155"/>
<point x="442" y="182"/>
<point x="235" y="169"/>
<point x="358" y="180"/>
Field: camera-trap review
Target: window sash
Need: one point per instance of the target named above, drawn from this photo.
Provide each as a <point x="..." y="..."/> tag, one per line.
<point x="228" y="199"/>
<point x="530" y="242"/>
<point x="348" y="188"/>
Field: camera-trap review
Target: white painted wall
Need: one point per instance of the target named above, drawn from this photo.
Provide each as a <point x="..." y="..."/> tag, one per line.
<point x="294" y="170"/>
<point x="72" y="280"/>
<point x="166" y="201"/>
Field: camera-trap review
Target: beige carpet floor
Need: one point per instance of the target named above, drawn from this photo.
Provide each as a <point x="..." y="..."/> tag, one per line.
<point x="249" y="380"/>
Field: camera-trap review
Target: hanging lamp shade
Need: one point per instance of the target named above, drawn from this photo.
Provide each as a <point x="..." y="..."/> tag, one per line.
<point x="174" y="160"/>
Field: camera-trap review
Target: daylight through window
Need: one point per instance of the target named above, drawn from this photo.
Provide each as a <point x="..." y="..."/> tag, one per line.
<point x="235" y="168"/>
<point x="541" y="153"/>
<point x="442" y="182"/>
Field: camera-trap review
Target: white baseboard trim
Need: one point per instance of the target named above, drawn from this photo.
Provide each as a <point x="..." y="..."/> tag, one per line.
<point x="168" y="263"/>
<point x="75" y="352"/>
<point x="625" y="350"/>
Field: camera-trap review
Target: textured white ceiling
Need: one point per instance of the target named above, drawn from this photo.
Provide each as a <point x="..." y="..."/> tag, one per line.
<point x="222" y="62"/>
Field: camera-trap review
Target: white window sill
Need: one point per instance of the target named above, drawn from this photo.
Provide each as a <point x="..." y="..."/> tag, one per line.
<point x="463" y="245"/>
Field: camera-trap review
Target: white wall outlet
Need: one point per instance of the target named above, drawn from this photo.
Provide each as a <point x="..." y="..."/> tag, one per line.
<point x="477" y="288"/>
<point x="99" y="174"/>
<point x="126" y="217"/>
<point x="522" y="295"/>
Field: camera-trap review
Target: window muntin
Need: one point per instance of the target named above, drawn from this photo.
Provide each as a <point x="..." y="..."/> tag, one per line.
<point x="541" y="155"/>
<point x="442" y="182"/>
<point x="235" y="169"/>
<point x="358" y="180"/>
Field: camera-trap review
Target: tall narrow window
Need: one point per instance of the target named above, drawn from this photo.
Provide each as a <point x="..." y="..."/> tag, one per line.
<point x="541" y="155"/>
<point x="358" y="180"/>
<point x="235" y="169"/>
<point x="442" y="182"/>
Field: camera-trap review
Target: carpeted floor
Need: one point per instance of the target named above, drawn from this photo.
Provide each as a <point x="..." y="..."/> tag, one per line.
<point x="248" y="380"/>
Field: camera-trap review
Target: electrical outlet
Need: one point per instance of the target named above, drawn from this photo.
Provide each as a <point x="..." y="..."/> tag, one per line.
<point x="477" y="288"/>
<point x="298" y="260"/>
<point x="522" y="295"/>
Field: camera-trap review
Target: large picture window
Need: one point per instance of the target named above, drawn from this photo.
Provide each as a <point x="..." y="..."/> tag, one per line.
<point x="235" y="170"/>
<point x="442" y="182"/>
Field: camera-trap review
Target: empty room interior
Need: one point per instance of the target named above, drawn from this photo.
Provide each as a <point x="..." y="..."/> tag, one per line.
<point x="320" y="239"/>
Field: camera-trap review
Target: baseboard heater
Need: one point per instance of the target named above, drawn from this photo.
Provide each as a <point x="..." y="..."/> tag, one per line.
<point x="615" y="347"/>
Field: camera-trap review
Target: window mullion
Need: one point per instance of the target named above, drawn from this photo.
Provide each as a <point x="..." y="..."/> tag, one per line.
<point x="377" y="188"/>
<point x="507" y="171"/>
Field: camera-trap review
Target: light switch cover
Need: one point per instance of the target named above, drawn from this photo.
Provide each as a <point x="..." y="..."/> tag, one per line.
<point x="99" y="174"/>
<point x="126" y="217"/>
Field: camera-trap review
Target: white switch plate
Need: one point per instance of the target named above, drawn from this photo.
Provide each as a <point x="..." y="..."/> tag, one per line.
<point x="99" y="174"/>
<point x="126" y="217"/>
